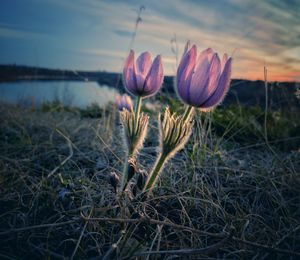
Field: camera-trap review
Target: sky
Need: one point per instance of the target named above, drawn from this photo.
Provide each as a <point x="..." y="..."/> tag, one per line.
<point x="97" y="34"/>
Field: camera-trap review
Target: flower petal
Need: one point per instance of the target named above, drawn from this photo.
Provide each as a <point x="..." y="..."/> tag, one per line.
<point x="222" y="89"/>
<point x="214" y="75"/>
<point x="154" y="78"/>
<point x="224" y="60"/>
<point x="186" y="47"/>
<point x="129" y="73"/>
<point x="200" y="78"/>
<point x="143" y="65"/>
<point x="207" y="53"/>
<point x="184" y="73"/>
<point x="199" y="82"/>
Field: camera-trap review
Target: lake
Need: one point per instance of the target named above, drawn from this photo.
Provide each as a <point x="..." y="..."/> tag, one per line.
<point x="70" y="93"/>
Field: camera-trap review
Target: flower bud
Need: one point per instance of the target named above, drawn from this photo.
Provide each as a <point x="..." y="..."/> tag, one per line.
<point x="134" y="134"/>
<point x="174" y="133"/>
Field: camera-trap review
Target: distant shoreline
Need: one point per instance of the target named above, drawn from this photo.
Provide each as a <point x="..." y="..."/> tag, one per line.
<point x="246" y="92"/>
<point x="9" y="73"/>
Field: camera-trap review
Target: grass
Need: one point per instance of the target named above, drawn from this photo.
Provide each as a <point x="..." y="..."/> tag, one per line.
<point x="226" y="195"/>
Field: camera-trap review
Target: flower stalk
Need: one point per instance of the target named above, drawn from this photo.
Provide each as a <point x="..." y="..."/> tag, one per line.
<point x="155" y="172"/>
<point x="131" y="155"/>
<point x="135" y="129"/>
<point x="143" y="78"/>
<point x="137" y="109"/>
<point x="174" y="133"/>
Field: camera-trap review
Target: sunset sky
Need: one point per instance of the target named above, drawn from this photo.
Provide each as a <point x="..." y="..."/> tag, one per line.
<point x="96" y="34"/>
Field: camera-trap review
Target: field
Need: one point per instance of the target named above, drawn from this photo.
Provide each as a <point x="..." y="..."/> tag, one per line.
<point x="231" y="193"/>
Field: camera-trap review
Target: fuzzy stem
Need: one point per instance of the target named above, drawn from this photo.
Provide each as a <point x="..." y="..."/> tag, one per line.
<point x="155" y="173"/>
<point x="125" y="172"/>
<point x="187" y="113"/>
<point x="130" y="153"/>
<point x="137" y="110"/>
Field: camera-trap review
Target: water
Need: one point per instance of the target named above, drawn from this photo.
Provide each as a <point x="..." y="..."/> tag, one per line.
<point x="78" y="94"/>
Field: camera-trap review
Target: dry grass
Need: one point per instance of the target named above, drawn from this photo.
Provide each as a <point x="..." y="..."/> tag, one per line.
<point x="213" y="201"/>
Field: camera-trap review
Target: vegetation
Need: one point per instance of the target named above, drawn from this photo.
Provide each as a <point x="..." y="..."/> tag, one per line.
<point x="231" y="193"/>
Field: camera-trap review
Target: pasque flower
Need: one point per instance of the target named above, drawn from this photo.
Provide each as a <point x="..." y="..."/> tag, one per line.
<point x="203" y="80"/>
<point x="123" y="101"/>
<point x="143" y="77"/>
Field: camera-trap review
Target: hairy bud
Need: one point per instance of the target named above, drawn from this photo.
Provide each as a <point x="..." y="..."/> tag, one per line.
<point x="134" y="133"/>
<point x="174" y="133"/>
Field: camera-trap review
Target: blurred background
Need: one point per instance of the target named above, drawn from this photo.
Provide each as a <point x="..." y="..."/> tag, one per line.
<point x="96" y="34"/>
<point x="79" y="36"/>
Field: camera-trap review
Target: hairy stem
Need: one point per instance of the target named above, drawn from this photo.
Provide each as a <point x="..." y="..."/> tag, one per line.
<point x="137" y="110"/>
<point x="131" y="153"/>
<point x="155" y="172"/>
<point x="125" y="172"/>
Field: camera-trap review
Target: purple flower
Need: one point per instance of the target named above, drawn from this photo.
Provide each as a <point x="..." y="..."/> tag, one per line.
<point x="142" y="77"/>
<point x="123" y="101"/>
<point x="202" y="81"/>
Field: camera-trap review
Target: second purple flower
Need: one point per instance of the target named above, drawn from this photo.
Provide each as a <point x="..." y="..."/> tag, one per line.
<point x="202" y="81"/>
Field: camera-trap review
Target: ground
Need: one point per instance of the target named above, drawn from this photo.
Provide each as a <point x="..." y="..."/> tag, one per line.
<point x="219" y="197"/>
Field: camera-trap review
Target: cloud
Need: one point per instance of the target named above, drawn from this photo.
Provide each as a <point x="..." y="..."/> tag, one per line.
<point x="123" y="33"/>
<point x="256" y="31"/>
<point x="6" y="32"/>
<point x="104" y="53"/>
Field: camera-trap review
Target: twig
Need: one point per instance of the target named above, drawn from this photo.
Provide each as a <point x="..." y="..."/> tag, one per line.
<point x="137" y="22"/>
<point x="266" y="115"/>
<point x="283" y="238"/>
<point x="81" y="235"/>
<point x="180" y="227"/>
<point x="156" y="222"/>
<point x="266" y="103"/>
<point x="65" y="160"/>
<point x="6" y="257"/>
<point x="39" y="226"/>
<point x="112" y="249"/>
<point x="157" y="235"/>
<point x="107" y="146"/>
<point x="268" y="248"/>
<point x="205" y="250"/>
<point x="263" y="143"/>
